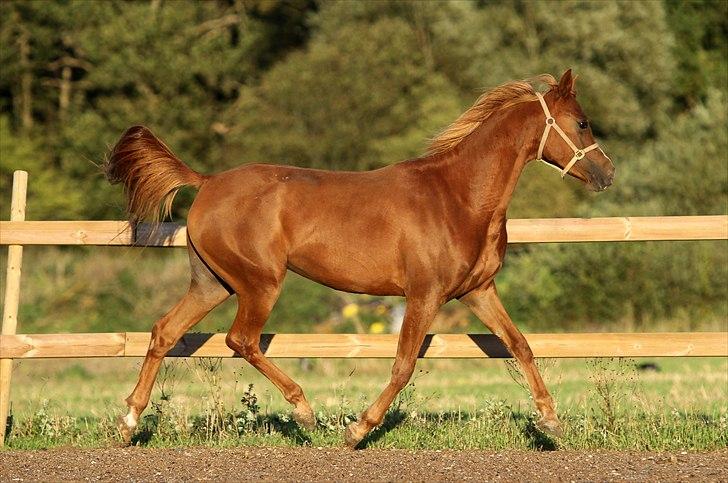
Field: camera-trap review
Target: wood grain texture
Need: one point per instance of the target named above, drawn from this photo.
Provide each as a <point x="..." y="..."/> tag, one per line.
<point x="536" y="230"/>
<point x="35" y="346"/>
<point x="453" y="346"/>
<point x="12" y="294"/>
<point x="107" y="233"/>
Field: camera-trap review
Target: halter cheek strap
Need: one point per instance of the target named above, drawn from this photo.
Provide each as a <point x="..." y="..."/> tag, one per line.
<point x="551" y="123"/>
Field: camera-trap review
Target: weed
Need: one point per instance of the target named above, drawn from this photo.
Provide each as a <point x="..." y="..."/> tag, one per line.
<point x="248" y="418"/>
<point x="614" y="383"/>
<point x="513" y="367"/>
<point x="343" y="412"/>
<point x="165" y="420"/>
<point x="213" y="424"/>
<point x="408" y="402"/>
<point x="43" y="423"/>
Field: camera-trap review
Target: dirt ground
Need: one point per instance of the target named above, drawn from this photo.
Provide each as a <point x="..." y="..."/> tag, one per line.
<point x="329" y="464"/>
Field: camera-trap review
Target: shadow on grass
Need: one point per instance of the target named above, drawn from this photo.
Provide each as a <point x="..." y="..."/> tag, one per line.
<point x="146" y="430"/>
<point x="142" y="437"/>
<point x="288" y="428"/>
<point x="264" y="424"/>
<point x="391" y="420"/>
<point x="537" y="439"/>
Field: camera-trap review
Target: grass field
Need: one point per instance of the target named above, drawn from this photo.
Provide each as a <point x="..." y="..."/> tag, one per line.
<point x="608" y="404"/>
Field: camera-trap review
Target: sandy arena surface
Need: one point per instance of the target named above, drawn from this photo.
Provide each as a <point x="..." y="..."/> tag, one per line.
<point x="331" y="464"/>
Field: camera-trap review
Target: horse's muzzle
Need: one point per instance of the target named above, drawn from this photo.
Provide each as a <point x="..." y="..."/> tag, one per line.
<point x="600" y="180"/>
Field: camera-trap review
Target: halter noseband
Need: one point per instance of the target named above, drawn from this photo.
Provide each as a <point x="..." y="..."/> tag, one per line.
<point x="551" y="123"/>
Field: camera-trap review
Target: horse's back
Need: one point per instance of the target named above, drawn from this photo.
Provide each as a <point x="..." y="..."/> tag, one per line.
<point x="339" y="228"/>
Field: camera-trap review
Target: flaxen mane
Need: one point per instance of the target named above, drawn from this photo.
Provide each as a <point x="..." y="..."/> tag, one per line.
<point x="501" y="97"/>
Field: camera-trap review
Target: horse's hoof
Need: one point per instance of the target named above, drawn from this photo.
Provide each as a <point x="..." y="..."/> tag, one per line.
<point x="125" y="431"/>
<point x="305" y="418"/>
<point x="353" y="436"/>
<point x="551" y="427"/>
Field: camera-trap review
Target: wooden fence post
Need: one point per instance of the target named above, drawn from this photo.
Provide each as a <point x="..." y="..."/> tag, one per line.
<point x="12" y="294"/>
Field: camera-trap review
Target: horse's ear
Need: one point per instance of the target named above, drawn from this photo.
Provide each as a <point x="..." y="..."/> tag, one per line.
<point x="566" y="84"/>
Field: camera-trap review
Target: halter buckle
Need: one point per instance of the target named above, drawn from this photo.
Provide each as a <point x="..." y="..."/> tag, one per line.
<point x="550" y="120"/>
<point x="579" y="154"/>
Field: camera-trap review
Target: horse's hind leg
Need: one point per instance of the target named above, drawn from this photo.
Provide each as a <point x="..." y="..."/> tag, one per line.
<point x="254" y="306"/>
<point x="205" y="293"/>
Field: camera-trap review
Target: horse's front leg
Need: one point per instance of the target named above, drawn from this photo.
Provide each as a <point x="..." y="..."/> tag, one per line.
<point x="486" y="304"/>
<point x="417" y="319"/>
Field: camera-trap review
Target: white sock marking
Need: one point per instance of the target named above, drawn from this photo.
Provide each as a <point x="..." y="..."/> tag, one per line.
<point x="130" y="420"/>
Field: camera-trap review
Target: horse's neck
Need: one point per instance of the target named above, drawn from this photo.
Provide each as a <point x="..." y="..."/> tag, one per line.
<point x="484" y="169"/>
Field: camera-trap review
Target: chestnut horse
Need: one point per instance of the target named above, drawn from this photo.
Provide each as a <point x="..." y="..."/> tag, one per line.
<point x="431" y="229"/>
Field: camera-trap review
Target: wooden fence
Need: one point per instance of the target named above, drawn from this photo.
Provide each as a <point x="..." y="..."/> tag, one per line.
<point x="18" y="232"/>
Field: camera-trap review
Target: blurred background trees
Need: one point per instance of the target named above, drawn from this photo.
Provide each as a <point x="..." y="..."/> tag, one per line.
<point x="358" y="85"/>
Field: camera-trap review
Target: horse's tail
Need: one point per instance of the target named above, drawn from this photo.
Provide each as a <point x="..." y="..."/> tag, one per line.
<point x="150" y="172"/>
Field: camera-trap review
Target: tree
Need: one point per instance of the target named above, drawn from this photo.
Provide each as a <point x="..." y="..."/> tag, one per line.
<point x="98" y="67"/>
<point x="701" y="48"/>
<point x="359" y="97"/>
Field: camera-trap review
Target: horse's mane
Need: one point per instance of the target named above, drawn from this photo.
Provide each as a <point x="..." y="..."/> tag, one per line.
<point x="494" y="100"/>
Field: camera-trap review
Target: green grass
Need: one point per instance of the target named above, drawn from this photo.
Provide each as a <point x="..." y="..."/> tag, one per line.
<point x="604" y="404"/>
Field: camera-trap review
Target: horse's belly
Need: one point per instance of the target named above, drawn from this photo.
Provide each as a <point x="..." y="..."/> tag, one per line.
<point x="347" y="271"/>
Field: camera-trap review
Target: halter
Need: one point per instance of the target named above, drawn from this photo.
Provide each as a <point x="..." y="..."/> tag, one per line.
<point x="551" y="123"/>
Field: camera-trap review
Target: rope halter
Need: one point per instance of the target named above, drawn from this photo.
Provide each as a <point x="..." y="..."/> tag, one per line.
<point x="551" y="123"/>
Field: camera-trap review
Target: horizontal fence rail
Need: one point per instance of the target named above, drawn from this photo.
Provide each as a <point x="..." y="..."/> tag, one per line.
<point x="535" y="230"/>
<point x="436" y="346"/>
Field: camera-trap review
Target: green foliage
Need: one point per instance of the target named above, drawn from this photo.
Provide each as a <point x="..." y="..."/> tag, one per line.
<point x="674" y="177"/>
<point x="701" y="30"/>
<point x="53" y="193"/>
<point x="358" y="97"/>
<point x="593" y="286"/>
<point x="621" y="52"/>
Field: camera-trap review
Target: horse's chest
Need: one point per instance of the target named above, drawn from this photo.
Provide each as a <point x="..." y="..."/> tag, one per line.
<point x="489" y="260"/>
<point x="491" y="257"/>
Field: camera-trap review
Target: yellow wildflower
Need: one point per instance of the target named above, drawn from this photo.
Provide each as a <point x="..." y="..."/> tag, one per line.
<point x="350" y="311"/>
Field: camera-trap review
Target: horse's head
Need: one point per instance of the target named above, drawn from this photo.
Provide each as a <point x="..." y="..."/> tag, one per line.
<point x="567" y="142"/>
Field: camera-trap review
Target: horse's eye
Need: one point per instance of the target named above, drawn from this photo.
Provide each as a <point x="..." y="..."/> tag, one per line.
<point x="583" y="124"/>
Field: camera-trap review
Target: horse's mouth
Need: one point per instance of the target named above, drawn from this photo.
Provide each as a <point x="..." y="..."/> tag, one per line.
<point x="594" y="180"/>
<point x="600" y="181"/>
<point x="598" y="186"/>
